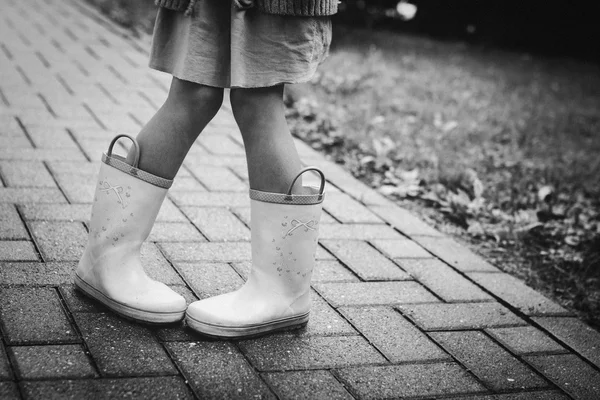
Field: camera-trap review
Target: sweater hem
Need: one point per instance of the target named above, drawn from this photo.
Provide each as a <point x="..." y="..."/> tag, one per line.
<point x="298" y="8"/>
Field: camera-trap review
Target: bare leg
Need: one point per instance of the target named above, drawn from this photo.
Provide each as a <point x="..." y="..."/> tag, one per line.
<point x="272" y="158"/>
<point x="170" y="133"/>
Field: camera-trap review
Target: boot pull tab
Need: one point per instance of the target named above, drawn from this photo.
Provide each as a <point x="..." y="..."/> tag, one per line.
<point x="136" y="147"/>
<point x="289" y="195"/>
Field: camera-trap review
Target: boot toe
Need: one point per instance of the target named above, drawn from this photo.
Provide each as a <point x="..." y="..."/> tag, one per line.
<point x="213" y="318"/>
<point x="209" y="311"/>
<point x="164" y="299"/>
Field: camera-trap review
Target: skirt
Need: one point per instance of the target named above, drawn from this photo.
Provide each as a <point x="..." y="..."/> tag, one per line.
<point x="221" y="46"/>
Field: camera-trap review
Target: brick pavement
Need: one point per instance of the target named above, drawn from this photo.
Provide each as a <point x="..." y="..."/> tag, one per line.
<point x="399" y="309"/>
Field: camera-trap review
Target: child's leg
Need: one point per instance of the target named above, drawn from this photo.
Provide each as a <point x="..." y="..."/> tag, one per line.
<point x="168" y="136"/>
<point x="110" y="270"/>
<point x="276" y="294"/>
<point x="271" y="155"/>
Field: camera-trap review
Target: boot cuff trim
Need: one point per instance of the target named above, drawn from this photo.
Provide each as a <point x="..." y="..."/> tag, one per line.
<point x="282" y="198"/>
<point x="120" y="164"/>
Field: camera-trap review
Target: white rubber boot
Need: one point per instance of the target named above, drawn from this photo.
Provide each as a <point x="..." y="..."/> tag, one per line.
<point x="276" y="295"/>
<point x="126" y="203"/>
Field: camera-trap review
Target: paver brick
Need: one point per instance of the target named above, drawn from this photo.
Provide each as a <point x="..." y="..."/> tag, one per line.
<point x="458" y="316"/>
<point x="45" y="362"/>
<point x="186" y="184"/>
<point x="525" y="340"/>
<point x="31" y="195"/>
<point x="11" y="226"/>
<point x="575" y="334"/>
<point x="347" y="210"/>
<point x="325" y="321"/>
<point x="220" y="144"/>
<point x="34" y="316"/>
<point x="401" y="248"/>
<point x="77" y="302"/>
<point x="455" y="254"/>
<point x="332" y="271"/>
<point x="36" y="273"/>
<point x="5" y="370"/>
<point x="287" y="352"/>
<point x="210" y="251"/>
<point x="517" y="294"/>
<point x="89" y="132"/>
<point x="412" y="380"/>
<point x="78" y="188"/>
<point x="374" y="293"/>
<point x="122" y="348"/>
<point x="60" y="241"/>
<point x="443" y="280"/>
<point x="243" y="214"/>
<point x="26" y="174"/>
<point x="355" y="188"/>
<point x="306" y="385"/>
<point x="219" y="179"/>
<point x="170" y="213"/>
<point x="357" y="231"/>
<point x="393" y="335"/>
<point x="17" y="250"/>
<point x="209" y="279"/>
<point x="364" y="260"/>
<point x="9" y="127"/>
<point x="175" y="232"/>
<point x="218" y="224"/>
<point x="528" y="395"/>
<point x="15" y="142"/>
<point x="493" y="365"/>
<point x="117" y="121"/>
<point x="570" y="373"/>
<point x="157" y="267"/>
<point x="9" y="391"/>
<point x="50" y="137"/>
<point x="228" y="376"/>
<point x="176" y="333"/>
<point x="87" y="169"/>
<point x="206" y="159"/>
<point x="323" y="255"/>
<point x="404" y="221"/>
<point x="159" y="387"/>
<point x="312" y="178"/>
<point x="25" y="154"/>
<point x="56" y="212"/>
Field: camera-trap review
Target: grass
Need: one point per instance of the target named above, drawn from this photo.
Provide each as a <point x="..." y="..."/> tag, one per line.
<point x="499" y="149"/>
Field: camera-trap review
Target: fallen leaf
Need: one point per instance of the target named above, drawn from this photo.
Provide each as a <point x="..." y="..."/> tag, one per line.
<point x="545" y="193"/>
<point x="572" y="241"/>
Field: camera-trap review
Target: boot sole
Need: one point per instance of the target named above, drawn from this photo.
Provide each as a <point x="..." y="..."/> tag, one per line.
<point x="137" y="315"/>
<point x="246" y="331"/>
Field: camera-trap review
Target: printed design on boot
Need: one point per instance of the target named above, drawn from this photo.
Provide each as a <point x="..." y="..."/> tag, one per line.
<point x="296" y="223"/>
<point x="118" y="190"/>
<point x="286" y="262"/>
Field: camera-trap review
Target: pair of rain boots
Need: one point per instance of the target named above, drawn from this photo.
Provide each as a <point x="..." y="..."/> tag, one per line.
<point x="276" y="295"/>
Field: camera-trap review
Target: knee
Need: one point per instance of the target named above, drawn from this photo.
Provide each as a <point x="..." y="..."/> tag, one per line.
<point x="250" y="103"/>
<point x="241" y="101"/>
<point x="193" y="97"/>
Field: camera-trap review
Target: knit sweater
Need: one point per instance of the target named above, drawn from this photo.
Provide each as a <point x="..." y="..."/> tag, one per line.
<point x="300" y="8"/>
